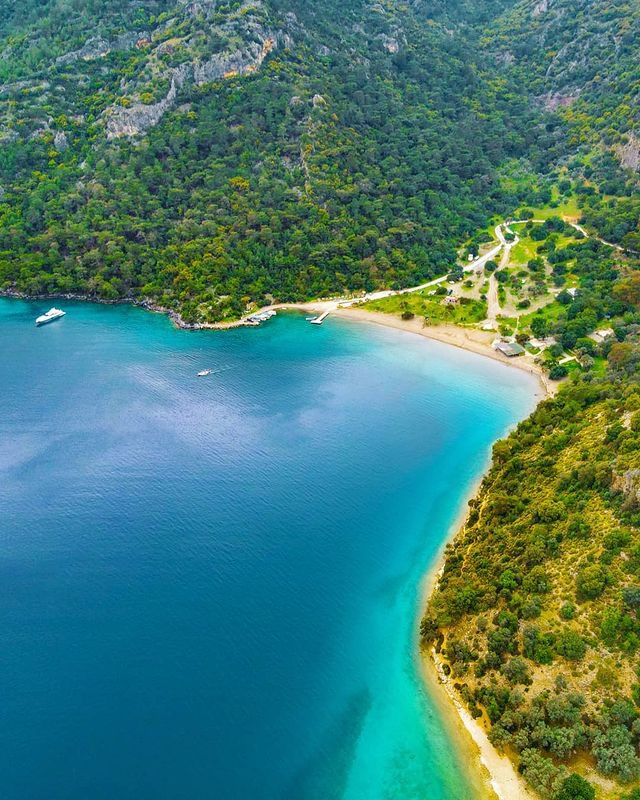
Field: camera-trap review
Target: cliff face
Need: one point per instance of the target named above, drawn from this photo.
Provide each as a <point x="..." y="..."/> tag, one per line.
<point x="139" y="117"/>
<point x="140" y="71"/>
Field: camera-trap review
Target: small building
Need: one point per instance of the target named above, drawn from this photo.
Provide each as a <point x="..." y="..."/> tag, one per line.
<point x="509" y="349"/>
<point x="542" y="344"/>
<point x="572" y="292"/>
<point x="602" y="335"/>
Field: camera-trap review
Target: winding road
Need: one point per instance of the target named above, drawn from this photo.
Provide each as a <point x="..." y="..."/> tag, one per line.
<point x="494" y="310"/>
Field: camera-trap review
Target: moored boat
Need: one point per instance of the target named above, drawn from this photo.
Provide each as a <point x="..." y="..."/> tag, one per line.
<point x="52" y="313"/>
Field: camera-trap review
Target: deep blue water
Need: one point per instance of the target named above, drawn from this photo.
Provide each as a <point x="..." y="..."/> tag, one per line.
<point x="209" y="586"/>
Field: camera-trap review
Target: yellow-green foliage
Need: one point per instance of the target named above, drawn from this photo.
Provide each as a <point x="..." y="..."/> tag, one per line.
<point x="536" y="610"/>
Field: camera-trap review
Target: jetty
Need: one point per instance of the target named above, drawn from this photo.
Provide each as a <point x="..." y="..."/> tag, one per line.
<point x="321" y="318"/>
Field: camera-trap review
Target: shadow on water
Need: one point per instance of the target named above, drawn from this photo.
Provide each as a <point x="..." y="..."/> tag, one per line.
<point x="324" y="776"/>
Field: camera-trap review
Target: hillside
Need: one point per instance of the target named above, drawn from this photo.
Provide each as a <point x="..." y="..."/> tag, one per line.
<point x="209" y="156"/>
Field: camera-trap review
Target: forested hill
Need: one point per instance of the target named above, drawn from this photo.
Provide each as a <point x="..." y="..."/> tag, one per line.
<point x="208" y="155"/>
<point x="213" y="155"/>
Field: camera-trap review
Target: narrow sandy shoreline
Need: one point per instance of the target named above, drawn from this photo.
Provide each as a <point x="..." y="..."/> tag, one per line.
<point x="490" y="775"/>
<point x="470" y="339"/>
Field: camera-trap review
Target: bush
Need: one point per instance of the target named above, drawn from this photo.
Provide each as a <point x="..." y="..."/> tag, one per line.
<point x="567" y="611"/>
<point x="615" y="753"/>
<point x="537" y="581"/>
<point x="591" y="582"/>
<point x="570" y="645"/>
<point x="575" y="788"/>
<point x="538" y="646"/>
<point x="516" y="671"/>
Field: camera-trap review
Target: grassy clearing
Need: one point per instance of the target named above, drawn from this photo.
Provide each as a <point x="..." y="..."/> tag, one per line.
<point x="550" y="312"/>
<point x="467" y="312"/>
<point x="524" y="251"/>
<point x="567" y="207"/>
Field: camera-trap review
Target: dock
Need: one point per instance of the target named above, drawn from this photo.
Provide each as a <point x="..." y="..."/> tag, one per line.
<point x="320" y="319"/>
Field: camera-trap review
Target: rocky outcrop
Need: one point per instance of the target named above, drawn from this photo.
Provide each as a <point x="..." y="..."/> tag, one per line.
<point x="139" y="117"/>
<point x="228" y="65"/>
<point x="629" y="152"/>
<point x="98" y="47"/>
<point x="540" y="7"/>
<point x="554" y="100"/>
<point x="629" y="484"/>
<point x="33" y="86"/>
<point x="390" y="44"/>
<point x="60" y="141"/>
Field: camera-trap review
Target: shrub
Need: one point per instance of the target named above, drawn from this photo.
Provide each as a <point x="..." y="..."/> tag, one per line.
<point x="537" y="581"/>
<point x="631" y="596"/>
<point x="575" y="788"/>
<point x="567" y="611"/>
<point x="516" y="671"/>
<point x="570" y="645"/>
<point x="537" y="646"/>
<point x="615" y="753"/>
<point x="591" y="582"/>
<point x="558" y="371"/>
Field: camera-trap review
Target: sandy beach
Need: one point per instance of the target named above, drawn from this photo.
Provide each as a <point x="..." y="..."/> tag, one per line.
<point x="490" y="774"/>
<point x="470" y="339"/>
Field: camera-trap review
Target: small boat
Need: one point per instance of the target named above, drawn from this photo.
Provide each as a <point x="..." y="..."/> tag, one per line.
<point x="203" y="373"/>
<point x="52" y="313"/>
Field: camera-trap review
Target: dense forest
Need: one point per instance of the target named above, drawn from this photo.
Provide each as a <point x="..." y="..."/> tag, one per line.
<point x="212" y="156"/>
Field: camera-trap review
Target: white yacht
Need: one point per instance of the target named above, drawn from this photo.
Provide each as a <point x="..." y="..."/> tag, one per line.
<point x="52" y="313"/>
<point x="203" y="373"/>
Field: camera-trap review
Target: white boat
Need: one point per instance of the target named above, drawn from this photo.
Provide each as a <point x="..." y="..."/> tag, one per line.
<point x="52" y="313"/>
<point x="203" y="373"/>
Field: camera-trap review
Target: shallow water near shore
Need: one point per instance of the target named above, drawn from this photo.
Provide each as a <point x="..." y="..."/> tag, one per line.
<point x="209" y="586"/>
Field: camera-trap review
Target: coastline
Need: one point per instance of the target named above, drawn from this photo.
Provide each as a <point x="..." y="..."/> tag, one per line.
<point x="491" y="775"/>
<point x="470" y="339"/>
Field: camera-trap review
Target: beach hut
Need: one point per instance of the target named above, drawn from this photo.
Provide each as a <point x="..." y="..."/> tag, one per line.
<point x="509" y="349"/>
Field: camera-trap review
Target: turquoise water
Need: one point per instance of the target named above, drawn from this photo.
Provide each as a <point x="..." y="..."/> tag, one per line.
<point x="209" y="586"/>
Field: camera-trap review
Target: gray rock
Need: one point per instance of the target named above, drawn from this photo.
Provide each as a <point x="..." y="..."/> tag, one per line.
<point x="240" y="62"/>
<point x="140" y="117"/>
<point x="98" y="47"/>
<point x="629" y="152"/>
<point x="60" y="141"/>
<point x="540" y="7"/>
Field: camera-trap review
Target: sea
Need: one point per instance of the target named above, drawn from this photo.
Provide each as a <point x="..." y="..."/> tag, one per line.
<point x="210" y="587"/>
